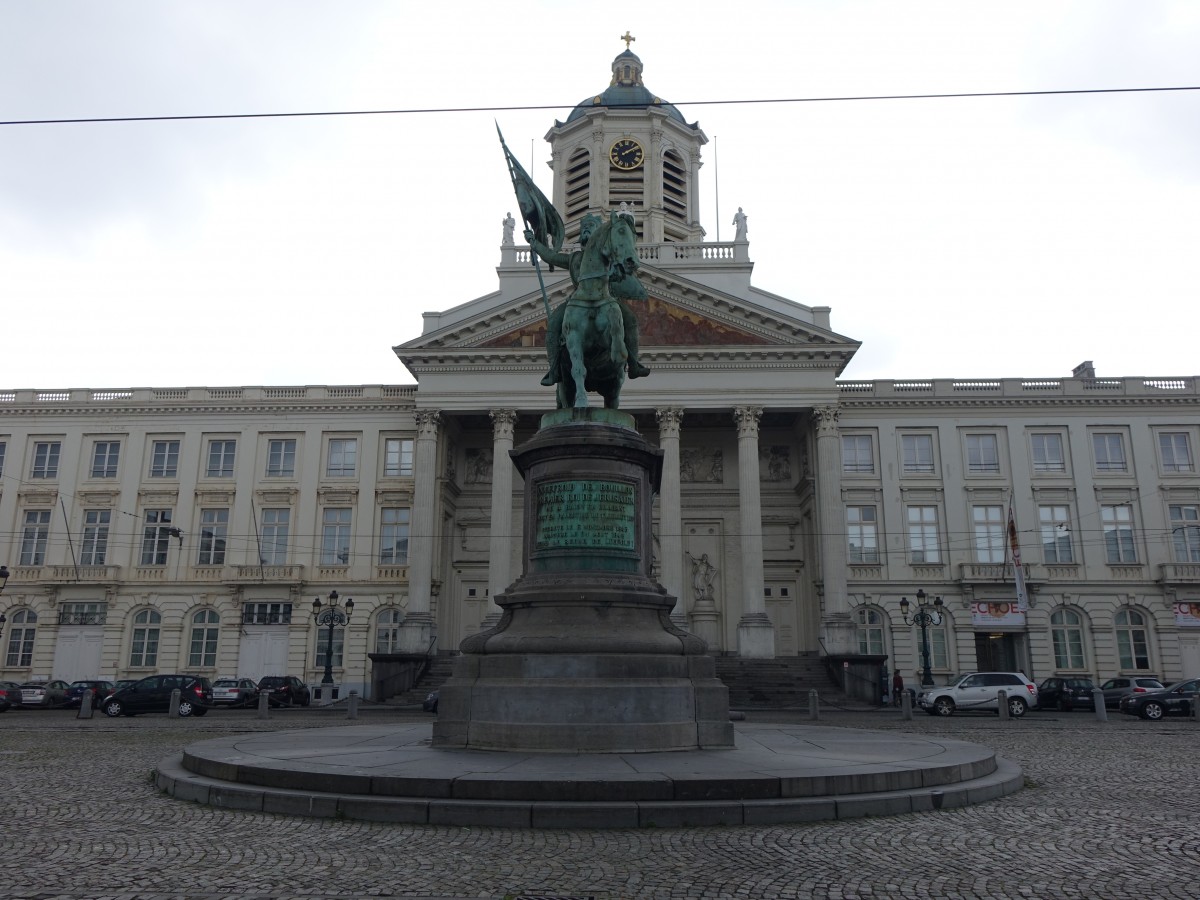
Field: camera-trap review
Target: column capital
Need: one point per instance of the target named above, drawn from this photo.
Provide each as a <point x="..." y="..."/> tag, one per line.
<point x="747" y="418"/>
<point x="827" y="420"/>
<point x="670" y="418"/>
<point x="427" y="421"/>
<point x="504" y="421"/>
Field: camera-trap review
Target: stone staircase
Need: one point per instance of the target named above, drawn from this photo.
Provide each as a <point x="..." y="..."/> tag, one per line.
<point x="435" y="676"/>
<point x="780" y="683"/>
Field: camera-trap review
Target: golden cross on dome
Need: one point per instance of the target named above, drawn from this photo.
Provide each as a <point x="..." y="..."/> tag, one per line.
<point x="627" y="38"/>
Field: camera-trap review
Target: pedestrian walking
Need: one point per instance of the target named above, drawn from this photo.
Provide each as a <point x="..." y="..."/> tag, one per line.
<point x="897" y="687"/>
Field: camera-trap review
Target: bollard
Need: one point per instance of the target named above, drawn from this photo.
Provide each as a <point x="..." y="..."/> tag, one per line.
<point x="906" y="706"/>
<point x="85" y="705"/>
<point x="814" y="712"/>
<point x="264" y="702"/>
<point x="352" y="706"/>
<point x="1002" y="704"/>
<point x="1098" y="703"/>
<point x="173" y="709"/>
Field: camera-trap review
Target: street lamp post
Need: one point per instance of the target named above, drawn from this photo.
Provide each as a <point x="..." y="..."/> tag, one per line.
<point x="332" y="617"/>
<point x="3" y="584"/>
<point x="926" y="614"/>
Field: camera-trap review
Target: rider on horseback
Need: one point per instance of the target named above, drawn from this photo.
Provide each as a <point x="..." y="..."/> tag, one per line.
<point x="619" y="284"/>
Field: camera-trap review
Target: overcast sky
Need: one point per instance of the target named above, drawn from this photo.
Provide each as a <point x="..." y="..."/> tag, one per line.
<point x="968" y="238"/>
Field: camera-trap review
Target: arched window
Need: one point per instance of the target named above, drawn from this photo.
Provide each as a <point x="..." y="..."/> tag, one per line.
<point x="1066" y="633"/>
<point x="870" y="631"/>
<point x="387" y="630"/>
<point x="203" y="644"/>
<point x="143" y="648"/>
<point x="1133" y="641"/>
<point x="21" y="631"/>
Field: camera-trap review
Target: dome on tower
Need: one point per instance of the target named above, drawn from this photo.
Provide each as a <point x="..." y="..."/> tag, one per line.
<point x="626" y="91"/>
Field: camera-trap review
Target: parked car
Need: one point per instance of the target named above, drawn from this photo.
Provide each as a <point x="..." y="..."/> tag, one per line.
<point x="119" y="684"/>
<point x="980" y="691"/>
<point x="1153" y="705"/>
<point x="1116" y="688"/>
<point x="1066" y="694"/>
<point x="153" y="694"/>
<point x="234" y="691"/>
<point x="46" y="694"/>
<point x="10" y="695"/>
<point x="77" y="689"/>
<point x="430" y="702"/>
<point x="285" y="690"/>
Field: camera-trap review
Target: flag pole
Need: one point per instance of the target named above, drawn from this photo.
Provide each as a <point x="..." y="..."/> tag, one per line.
<point x="533" y="257"/>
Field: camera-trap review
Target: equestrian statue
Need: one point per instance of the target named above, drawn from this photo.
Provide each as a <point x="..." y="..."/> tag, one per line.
<point x="592" y="337"/>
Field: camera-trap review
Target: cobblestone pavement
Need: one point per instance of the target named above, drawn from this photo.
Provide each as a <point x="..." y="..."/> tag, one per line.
<point x="1111" y="810"/>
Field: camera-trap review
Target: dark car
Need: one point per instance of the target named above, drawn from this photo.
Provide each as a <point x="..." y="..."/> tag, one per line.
<point x="285" y="690"/>
<point x="1153" y="705"/>
<point x="77" y="689"/>
<point x="1066" y="694"/>
<point x="1116" y="688"/>
<point x="10" y="695"/>
<point x="153" y="694"/>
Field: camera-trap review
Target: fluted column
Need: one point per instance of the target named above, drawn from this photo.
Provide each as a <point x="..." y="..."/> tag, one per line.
<point x="756" y="636"/>
<point x="504" y="423"/>
<point x="670" y="511"/>
<point x="837" y="625"/>
<point x="418" y="627"/>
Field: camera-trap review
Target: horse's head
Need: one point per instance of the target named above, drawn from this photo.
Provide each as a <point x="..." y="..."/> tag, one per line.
<point x="622" y="240"/>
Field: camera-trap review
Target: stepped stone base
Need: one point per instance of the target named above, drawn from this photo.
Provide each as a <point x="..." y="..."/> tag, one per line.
<point x="776" y="774"/>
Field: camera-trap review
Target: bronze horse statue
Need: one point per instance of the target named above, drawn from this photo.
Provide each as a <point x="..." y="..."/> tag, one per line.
<point x="593" y="347"/>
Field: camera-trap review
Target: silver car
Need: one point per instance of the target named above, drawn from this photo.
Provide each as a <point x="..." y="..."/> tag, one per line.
<point x="234" y="691"/>
<point x="980" y="691"/>
<point x="1116" y="688"/>
<point x="46" y="694"/>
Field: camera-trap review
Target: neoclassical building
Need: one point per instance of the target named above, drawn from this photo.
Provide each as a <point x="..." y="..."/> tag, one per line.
<point x="168" y="529"/>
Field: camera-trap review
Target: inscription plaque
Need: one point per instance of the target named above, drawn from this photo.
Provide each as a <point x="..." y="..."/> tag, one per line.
<point x="585" y="514"/>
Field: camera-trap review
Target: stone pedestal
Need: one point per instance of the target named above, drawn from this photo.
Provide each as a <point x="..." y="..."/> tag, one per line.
<point x="585" y="657"/>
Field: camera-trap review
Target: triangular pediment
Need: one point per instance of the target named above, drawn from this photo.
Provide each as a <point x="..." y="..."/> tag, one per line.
<point x="678" y="313"/>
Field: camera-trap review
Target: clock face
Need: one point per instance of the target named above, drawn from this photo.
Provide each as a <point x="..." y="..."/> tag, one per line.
<point x="626" y="154"/>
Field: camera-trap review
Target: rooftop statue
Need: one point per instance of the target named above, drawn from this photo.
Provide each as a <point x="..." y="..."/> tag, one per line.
<point x="591" y="338"/>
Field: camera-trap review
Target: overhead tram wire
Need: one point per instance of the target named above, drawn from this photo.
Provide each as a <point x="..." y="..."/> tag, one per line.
<point x="552" y="106"/>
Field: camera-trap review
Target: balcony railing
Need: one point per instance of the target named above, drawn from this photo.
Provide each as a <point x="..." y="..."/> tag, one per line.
<point x="269" y="572"/>
<point x="80" y="574"/>
<point x="1180" y="573"/>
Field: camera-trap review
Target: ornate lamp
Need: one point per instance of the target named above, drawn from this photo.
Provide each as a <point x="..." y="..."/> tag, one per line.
<point x="331" y="616"/>
<point x="925" y="615"/>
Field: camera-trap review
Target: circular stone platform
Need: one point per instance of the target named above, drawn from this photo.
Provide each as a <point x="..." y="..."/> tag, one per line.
<point x="776" y="774"/>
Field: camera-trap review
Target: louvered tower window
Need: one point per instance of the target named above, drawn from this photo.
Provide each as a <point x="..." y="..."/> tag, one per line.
<point x="577" y="184"/>
<point x="675" y="199"/>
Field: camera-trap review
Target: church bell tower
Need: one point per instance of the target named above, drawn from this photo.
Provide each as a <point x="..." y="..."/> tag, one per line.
<point x="626" y="145"/>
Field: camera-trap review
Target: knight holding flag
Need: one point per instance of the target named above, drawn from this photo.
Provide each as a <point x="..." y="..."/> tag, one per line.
<point x="545" y="233"/>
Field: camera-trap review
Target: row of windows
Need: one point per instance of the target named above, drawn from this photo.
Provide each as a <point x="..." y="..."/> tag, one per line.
<point x="1047" y="451"/>
<point x="341" y="458"/>
<point x="272" y="536"/>
<point x="1067" y="637"/>
<point x="203" y="634"/>
<point x="990" y="540"/>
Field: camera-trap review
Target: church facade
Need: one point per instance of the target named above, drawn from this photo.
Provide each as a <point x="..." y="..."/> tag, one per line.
<point x="190" y="529"/>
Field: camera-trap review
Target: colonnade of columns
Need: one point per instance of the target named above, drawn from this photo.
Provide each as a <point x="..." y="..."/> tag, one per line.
<point x="755" y="631"/>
